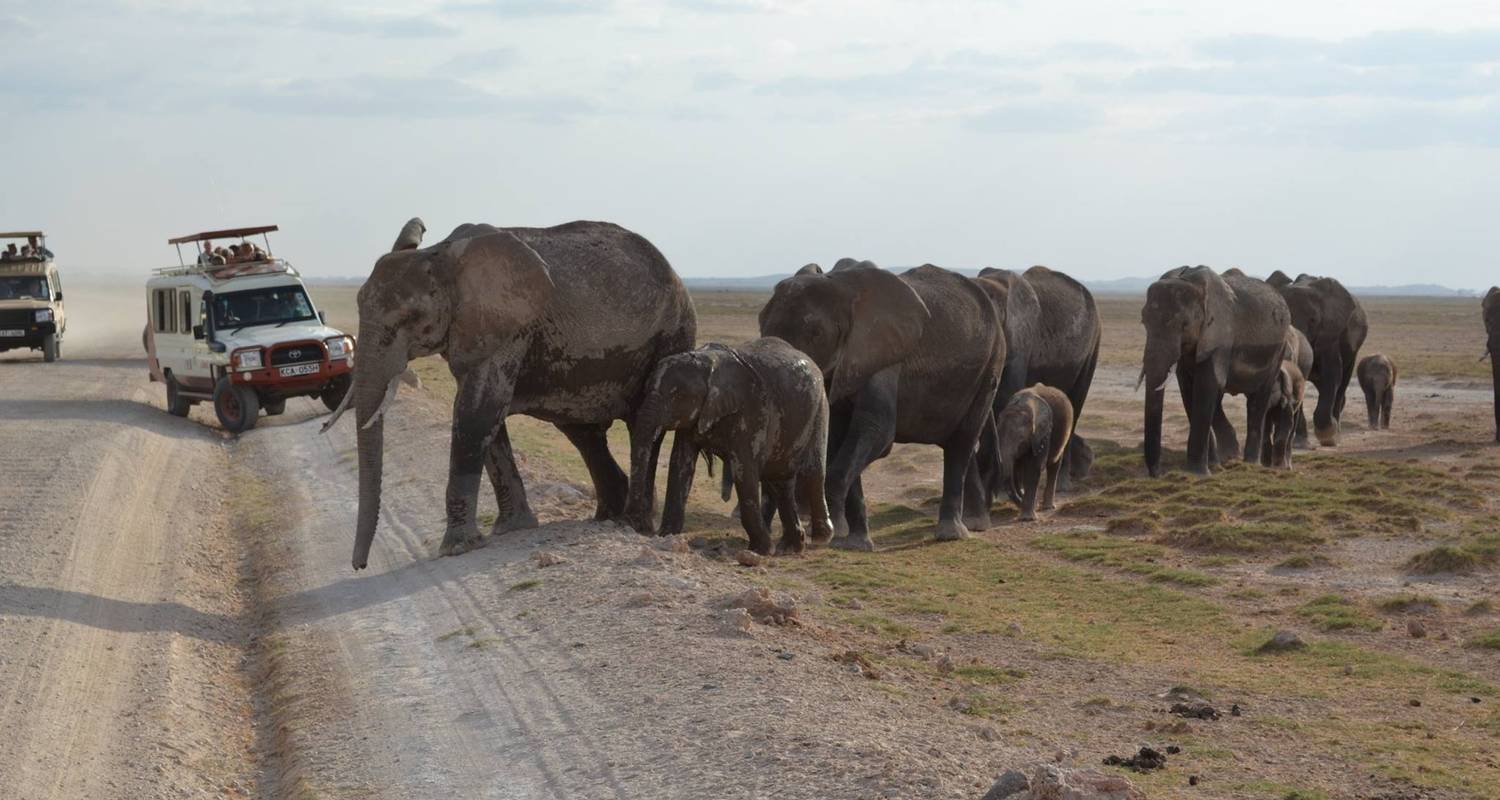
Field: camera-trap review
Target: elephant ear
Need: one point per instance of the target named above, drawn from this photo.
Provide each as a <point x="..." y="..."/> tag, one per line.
<point x="410" y="237"/>
<point x="886" y="320"/>
<point x="730" y="382"/>
<point x="1218" y="314"/>
<point x="810" y="269"/>
<point x="500" y="285"/>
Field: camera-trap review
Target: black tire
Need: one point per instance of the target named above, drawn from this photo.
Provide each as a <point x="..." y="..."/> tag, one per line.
<point x="177" y="405"/>
<point x="275" y="407"/>
<point x="51" y="348"/>
<point x="238" y="407"/>
<point x="334" y="395"/>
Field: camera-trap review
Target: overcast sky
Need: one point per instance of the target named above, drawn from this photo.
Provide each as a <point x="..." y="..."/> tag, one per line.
<point x="747" y="137"/>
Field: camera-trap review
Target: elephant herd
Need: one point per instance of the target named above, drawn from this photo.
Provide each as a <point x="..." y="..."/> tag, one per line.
<point x="586" y="323"/>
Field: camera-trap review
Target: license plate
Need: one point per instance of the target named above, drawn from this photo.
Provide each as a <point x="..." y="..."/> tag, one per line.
<point x="300" y="369"/>
<point x="12" y="332"/>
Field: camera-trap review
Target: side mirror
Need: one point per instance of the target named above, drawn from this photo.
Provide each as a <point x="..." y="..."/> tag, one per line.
<point x="59" y="297"/>
<point x="323" y="317"/>
<point x="197" y="331"/>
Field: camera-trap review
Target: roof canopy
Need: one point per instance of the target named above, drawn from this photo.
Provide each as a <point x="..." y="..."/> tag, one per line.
<point x="21" y="234"/>
<point x="224" y="234"/>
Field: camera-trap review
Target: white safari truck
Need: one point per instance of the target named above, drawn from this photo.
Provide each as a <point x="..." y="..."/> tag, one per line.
<point x="31" y="298"/>
<point x="236" y="327"/>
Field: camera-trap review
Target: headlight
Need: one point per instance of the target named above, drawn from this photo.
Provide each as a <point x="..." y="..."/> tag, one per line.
<point x="340" y="347"/>
<point x="247" y="359"/>
<point x="44" y="315"/>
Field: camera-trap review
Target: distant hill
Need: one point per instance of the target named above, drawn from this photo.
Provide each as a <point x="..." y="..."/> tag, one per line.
<point x="1111" y="286"/>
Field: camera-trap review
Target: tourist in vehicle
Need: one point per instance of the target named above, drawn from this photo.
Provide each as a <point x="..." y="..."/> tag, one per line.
<point x="207" y="256"/>
<point x="10" y="253"/>
<point x="40" y="250"/>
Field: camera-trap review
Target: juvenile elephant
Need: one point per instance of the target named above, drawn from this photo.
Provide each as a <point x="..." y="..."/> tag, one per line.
<point x="1031" y="433"/>
<point x="1335" y="325"/>
<point x="909" y="358"/>
<point x="1224" y="334"/>
<point x="761" y="408"/>
<point x="1377" y="377"/>
<point x="1491" y="307"/>
<point x="1282" y="409"/>
<point x="563" y="324"/>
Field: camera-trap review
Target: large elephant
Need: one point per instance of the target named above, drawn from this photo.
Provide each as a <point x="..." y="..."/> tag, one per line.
<point x="1052" y="336"/>
<point x="1225" y="334"/>
<point x="563" y="324"/>
<point x="909" y="358"/>
<point x="1336" y="326"/>
<point x="761" y="408"/>
<point x="1491" y="307"/>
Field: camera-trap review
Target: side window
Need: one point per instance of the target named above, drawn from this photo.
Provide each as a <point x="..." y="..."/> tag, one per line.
<point x="160" y="307"/>
<point x="56" y="285"/>
<point x="185" y="321"/>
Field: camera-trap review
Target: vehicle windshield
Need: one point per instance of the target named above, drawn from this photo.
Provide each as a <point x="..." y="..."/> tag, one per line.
<point x="272" y="305"/>
<point x="24" y="287"/>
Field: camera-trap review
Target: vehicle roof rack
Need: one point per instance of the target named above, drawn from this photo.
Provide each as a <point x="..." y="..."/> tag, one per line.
<point x="224" y="272"/>
<point x="229" y="233"/>
<point x="22" y="234"/>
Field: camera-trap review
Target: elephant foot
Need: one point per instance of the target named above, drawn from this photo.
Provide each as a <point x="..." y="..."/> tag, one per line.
<point x="951" y="531"/>
<point x="853" y="542"/>
<point x="460" y="540"/>
<point x="515" y="522"/>
<point x="1026" y="516"/>
<point x="1302" y="443"/>
<point x="789" y="547"/>
<point x="1328" y="437"/>
<point x="977" y="522"/>
<point x="841" y="524"/>
<point x="821" y="534"/>
<point x="1049" y="506"/>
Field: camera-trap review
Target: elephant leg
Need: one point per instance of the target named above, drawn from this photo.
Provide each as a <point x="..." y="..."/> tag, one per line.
<point x="510" y="493"/>
<point x="1349" y="359"/>
<point x="611" y="487"/>
<point x="1030" y="475"/>
<point x="976" y="499"/>
<point x="768" y="507"/>
<point x="1385" y="409"/>
<point x="1077" y="394"/>
<point x="987" y="461"/>
<point x="1372" y="407"/>
<point x="1330" y="371"/>
<point x="1204" y="402"/>
<point x="858" y="536"/>
<point x="1049" y="497"/>
<point x="867" y="434"/>
<point x="785" y="500"/>
<point x="961" y="510"/>
<point x="1256" y="405"/>
<point x="950" y="525"/>
<point x="810" y="489"/>
<point x="681" y="465"/>
<point x="747" y="486"/>
<point x="479" y="412"/>
<point x="1226" y="443"/>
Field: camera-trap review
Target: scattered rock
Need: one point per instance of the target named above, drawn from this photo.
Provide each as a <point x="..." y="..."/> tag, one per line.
<point x="737" y="620"/>
<point x="1283" y="642"/>
<point x="1348" y="669"/>
<point x="648" y="558"/>
<point x="855" y="604"/>
<point x="1013" y="629"/>
<point x="1234" y="710"/>
<point x="1415" y="629"/>
<point x="749" y="558"/>
<point x="547" y="558"/>
<point x="680" y="582"/>
<point x="1192" y="780"/>
<point x="675" y="543"/>
<point x="1414" y="703"/>
<point x="642" y="599"/>
<point x="1195" y="711"/>
<point x="786" y="655"/>
<point x="1144" y="761"/>
<point x="945" y="664"/>
<point x="765" y="609"/>
<point x="857" y="663"/>
<point x="987" y="733"/>
<point x="1173" y="749"/>
<point x="1052" y="782"/>
<point x="698" y="542"/>
<point x="923" y="651"/>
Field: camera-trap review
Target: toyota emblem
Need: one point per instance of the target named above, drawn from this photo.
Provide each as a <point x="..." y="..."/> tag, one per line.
<point x="294" y="354"/>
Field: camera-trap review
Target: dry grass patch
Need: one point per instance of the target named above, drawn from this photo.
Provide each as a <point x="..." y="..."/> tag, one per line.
<point x="1332" y="612"/>
<point x="1407" y="603"/>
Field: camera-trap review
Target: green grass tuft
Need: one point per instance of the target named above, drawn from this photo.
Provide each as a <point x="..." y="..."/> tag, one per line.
<point x="1332" y="612"/>
<point x="1406" y="603"/>
<point x="524" y="585"/>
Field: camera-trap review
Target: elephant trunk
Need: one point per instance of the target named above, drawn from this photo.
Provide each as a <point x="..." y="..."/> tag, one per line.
<point x="649" y="427"/>
<point x="1161" y="353"/>
<point x="373" y="383"/>
<point x="1007" y="448"/>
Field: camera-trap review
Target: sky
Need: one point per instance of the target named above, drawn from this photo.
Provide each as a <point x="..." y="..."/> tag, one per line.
<point x="748" y="137"/>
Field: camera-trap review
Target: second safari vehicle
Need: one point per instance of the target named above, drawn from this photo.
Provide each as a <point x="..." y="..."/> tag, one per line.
<point x="235" y="327"/>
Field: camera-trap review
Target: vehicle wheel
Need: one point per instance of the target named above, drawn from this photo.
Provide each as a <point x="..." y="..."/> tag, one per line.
<point x="238" y="407"/>
<point x="177" y="405"/>
<point x="333" y="396"/>
<point x="51" y="348"/>
<point x="275" y="407"/>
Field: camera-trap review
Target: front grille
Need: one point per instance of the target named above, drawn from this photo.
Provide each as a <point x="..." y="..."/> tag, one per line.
<point x="299" y="353"/>
<point x="17" y="318"/>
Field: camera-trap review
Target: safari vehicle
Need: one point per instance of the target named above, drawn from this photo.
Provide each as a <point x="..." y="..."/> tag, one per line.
<point x="31" y="298"/>
<point x="240" y="332"/>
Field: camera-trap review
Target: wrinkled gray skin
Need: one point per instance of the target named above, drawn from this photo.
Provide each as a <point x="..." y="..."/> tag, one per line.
<point x="1335" y="325"/>
<point x="563" y="324"/>
<point x="1282" y="409"/>
<point x="1491" y="308"/>
<point x="1031" y="434"/>
<point x="1052" y="336"/>
<point x="1377" y="378"/>
<point x="761" y="408"/>
<point x="1224" y="335"/>
<point x="909" y="358"/>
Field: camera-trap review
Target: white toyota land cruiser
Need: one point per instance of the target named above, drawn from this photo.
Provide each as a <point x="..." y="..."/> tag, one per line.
<point x="237" y="328"/>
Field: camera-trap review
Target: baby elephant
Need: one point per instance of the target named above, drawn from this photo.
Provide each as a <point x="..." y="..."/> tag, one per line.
<point x="1030" y="434"/>
<point x="761" y="408"/>
<point x="1377" y="376"/>
<point x="1282" y="413"/>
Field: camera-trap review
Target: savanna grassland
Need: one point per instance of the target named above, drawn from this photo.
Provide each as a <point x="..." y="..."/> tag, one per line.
<point x="1067" y="635"/>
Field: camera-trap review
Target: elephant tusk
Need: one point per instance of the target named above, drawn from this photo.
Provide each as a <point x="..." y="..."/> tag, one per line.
<point x="1140" y="380"/>
<point x="407" y="377"/>
<point x="338" y="412"/>
<point x="1164" y="382"/>
<point x="1486" y="355"/>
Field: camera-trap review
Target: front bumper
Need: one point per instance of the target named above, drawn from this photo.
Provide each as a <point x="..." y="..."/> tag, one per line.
<point x="32" y="335"/>
<point x="270" y="380"/>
